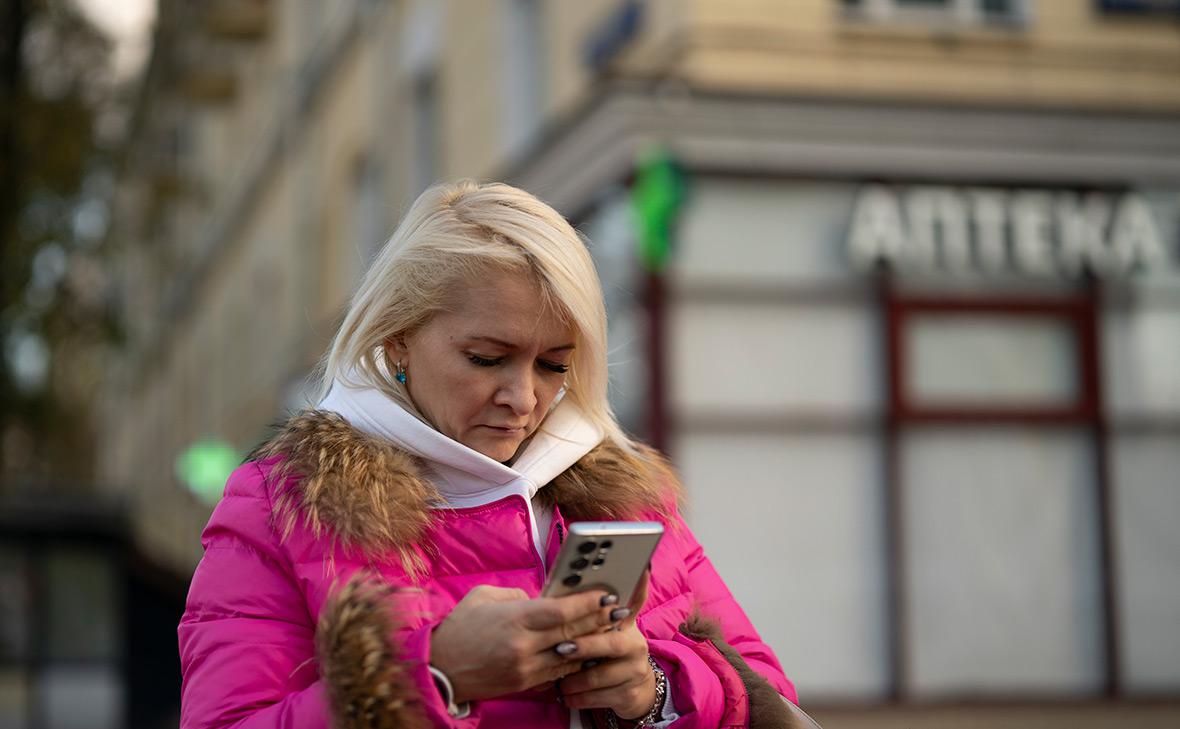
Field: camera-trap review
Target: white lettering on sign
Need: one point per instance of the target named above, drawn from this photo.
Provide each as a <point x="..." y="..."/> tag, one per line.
<point x="1034" y="232"/>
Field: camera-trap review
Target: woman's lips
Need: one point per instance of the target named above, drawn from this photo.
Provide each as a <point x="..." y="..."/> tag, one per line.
<point x="505" y="430"/>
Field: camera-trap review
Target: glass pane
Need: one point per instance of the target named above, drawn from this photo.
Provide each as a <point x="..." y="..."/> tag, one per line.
<point x="990" y="361"/>
<point x="83" y="604"/>
<point x="14" y="699"/>
<point x="997" y="7"/>
<point x="1147" y="503"/>
<point x="769" y="359"/>
<point x="14" y="604"/>
<point x="81" y="698"/>
<point x="1141" y="349"/>
<point x="1002" y="567"/>
<point x="807" y="563"/>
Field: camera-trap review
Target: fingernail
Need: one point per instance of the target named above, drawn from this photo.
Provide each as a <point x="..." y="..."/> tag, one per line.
<point x="567" y="648"/>
<point x="619" y="613"/>
<point x="608" y="600"/>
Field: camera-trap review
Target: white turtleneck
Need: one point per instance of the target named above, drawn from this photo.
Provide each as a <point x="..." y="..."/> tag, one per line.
<point x="465" y="477"/>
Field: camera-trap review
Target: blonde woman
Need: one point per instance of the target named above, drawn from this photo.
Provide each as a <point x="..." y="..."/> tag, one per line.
<point x="378" y="562"/>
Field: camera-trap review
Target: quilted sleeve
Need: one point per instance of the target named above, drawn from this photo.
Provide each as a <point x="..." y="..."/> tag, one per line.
<point x="247" y="643"/>
<point x="248" y="647"/>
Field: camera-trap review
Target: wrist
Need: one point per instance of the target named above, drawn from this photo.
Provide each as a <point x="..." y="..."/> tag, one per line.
<point x="457" y="709"/>
<point x="653" y="714"/>
<point x="440" y="665"/>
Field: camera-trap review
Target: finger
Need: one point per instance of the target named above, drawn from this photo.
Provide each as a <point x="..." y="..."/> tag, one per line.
<point x="545" y="613"/>
<point x="492" y="593"/>
<point x="586" y="625"/>
<point x="639" y="597"/>
<point x="606" y="675"/>
<point x="547" y="666"/>
<point x="630" y="693"/>
<point x="612" y="644"/>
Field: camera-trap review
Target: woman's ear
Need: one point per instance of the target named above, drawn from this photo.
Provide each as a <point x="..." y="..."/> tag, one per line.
<point x="396" y="350"/>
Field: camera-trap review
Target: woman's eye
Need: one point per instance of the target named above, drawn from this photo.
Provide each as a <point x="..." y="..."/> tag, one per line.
<point x="555" y="367"/>
<point x="484" y="361"/>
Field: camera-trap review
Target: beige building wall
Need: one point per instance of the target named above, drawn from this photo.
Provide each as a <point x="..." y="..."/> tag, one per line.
<point x="1066" y="54"/>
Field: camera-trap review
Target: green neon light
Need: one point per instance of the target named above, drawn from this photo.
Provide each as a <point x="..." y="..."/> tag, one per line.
<point x="656" y="198"/>
<point x="204" y="466"/>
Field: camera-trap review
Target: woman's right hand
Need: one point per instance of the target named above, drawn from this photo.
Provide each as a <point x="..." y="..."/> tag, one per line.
<point x="497" y="641"/>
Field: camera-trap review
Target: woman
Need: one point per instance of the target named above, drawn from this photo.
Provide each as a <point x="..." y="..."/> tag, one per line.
<point x="377" y="563"/>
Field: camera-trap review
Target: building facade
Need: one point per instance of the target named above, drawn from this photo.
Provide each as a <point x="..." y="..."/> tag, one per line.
<point x="913" y="347"/>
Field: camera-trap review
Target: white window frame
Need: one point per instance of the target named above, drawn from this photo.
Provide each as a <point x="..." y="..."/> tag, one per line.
<point x="953" y="12"/>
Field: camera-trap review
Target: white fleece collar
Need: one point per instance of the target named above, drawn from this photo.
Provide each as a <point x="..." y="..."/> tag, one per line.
<point x="463" y="476"/>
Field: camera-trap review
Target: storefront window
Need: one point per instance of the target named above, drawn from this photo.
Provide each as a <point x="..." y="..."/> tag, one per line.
<point x="14" y="604"/>
<point x="1001" y="552"/>
<point x="808" y="567"/>
<point x="1147" y="502"/>
<point x="83" y="615"/>
<point x="75" y="697"/>
<point x="14" y="698"/>
<point x="980" y="360"/>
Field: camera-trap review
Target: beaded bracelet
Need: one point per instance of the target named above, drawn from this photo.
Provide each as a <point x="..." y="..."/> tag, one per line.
<point x="653" y="715"/>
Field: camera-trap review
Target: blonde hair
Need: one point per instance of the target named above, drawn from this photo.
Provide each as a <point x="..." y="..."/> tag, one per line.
<point x="452" y="233"/>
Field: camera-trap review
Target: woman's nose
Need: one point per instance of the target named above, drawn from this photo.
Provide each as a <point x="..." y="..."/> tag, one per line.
<point x="517" y="392"/>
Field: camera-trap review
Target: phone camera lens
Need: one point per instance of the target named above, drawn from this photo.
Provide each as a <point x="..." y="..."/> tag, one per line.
<point x="587" y="547"/>
<point x="580" y="563"/>
<point x="606" y="545"/>
<point x="572" y="580"/>
<point x="598" y="562"/>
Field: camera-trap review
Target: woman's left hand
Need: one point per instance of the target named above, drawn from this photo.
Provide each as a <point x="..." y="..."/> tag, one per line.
<point x="622" y="680"/>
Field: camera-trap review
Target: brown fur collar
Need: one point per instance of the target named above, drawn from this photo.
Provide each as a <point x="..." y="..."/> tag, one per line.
<point x="364" y="493"/>
<point x="768" y="710"/>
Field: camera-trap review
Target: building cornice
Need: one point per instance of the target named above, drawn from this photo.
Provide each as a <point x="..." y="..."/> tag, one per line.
<point x="759" y="135"/>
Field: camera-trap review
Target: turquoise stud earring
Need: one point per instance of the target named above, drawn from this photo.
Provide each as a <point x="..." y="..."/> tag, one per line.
<point x="400" y="374"/>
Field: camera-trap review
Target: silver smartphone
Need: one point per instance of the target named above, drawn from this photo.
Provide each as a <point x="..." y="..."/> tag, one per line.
<point x="603" y="555"/>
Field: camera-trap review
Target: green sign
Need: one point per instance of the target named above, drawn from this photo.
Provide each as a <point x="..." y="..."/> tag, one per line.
<point x="204" y="466"/>
<point x="656" y="198"/>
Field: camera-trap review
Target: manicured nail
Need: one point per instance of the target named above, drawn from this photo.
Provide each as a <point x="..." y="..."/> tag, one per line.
<point x="567" y="648"/>
<point x="619" y="613"/>
<point x="608" y="600"/>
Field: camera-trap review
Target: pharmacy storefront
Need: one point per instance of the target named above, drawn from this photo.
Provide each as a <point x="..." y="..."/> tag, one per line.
<point x="920" y="369"/>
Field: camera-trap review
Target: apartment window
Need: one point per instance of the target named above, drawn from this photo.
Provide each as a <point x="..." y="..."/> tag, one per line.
<point x="426" y="123"/>
<point x="524" y="77"/>
<point x="368" y="218"/>
<point x="954" y="12"/>
<point x="1140" y="7"/>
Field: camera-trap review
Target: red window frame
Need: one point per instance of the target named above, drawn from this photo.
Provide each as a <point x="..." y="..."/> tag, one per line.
<point x="1077" y="312"/>
<point x="1081" y="311"/>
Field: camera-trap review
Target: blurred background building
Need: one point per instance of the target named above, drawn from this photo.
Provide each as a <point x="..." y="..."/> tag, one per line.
<point x="919" y="301"/>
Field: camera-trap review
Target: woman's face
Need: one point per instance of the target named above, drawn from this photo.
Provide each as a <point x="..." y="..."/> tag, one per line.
<point x="486" y="372"/>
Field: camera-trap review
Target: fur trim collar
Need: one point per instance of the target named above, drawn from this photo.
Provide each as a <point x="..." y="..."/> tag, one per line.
<point x="365" y="493"/>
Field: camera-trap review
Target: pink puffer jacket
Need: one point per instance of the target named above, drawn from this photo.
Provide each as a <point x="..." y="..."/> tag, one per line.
<point x="293" y="528"/>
